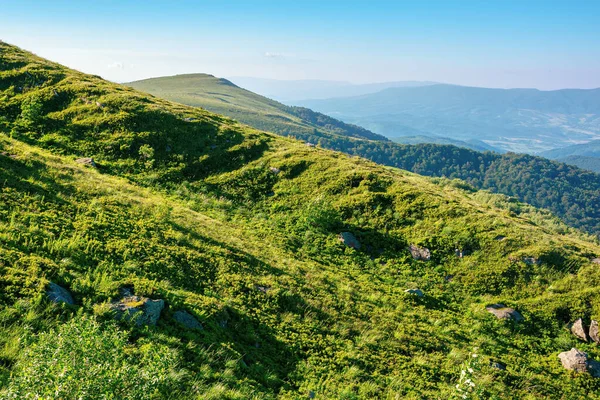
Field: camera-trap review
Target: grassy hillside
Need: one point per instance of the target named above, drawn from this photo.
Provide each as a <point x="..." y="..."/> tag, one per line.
<point x="567" y="191"/>
<point x="240" y="229"/>
<point x="223" y="97"/>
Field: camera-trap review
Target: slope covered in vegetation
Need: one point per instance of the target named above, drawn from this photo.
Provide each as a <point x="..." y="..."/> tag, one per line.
<point x="240" y="229"/>
<point x="567" y="191"/>
<point x="223" y="97"/>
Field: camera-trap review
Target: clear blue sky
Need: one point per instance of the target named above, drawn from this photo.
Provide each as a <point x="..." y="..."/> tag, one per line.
<point x="545" y="44"/>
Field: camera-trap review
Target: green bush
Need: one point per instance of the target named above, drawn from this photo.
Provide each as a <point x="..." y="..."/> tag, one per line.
<point x="86" y="359"/>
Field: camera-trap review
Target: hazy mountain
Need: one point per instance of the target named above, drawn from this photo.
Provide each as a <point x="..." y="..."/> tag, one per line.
<point x="583" y="162"/>
<point x="590" y="149"/>
<point x="290" y="91"/>
<point x="522" y="120"/>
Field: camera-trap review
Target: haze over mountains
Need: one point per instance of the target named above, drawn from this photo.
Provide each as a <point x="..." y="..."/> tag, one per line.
<point x="521" y="120"/>
<point x="293" y="91"/>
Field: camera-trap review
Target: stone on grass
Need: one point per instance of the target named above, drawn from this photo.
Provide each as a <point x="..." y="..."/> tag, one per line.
<point x="59" y="294"/>
<point x="596" y="261"/>
<point x="186" y="319"/>
<point x="416" y="292"/>
<point x="419" y="253"/>
<point x="498" y="365"/>
<point x="503" y="312"/>
<point x="578" y="361"/>
<point x="139" y="310"/>
<point x="578" y="329"/>
<point x="349" y="240"/>
<point x="87" y="161"/>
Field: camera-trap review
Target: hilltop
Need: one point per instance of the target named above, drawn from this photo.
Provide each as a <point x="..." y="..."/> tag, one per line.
<point x="293" y="260"/>
<point x="223" y="97"/>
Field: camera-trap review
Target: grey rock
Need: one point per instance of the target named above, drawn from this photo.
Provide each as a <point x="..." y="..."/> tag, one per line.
<point x="531" y="260"/>
<point x="188" y="320"/>
<point x="498" y="365"/>
<point x="59" y="294"/>
<point x="419" y="253"/>
<point x="416" y="292"/>
<point x="503" y="312"/>
<point x="579" y="361"/>
<point x="274" y="170"/>
<point x="594" y="332"/>
<point x="87" y="161"/>
<point x="349" y="240"/>
<point x="579" y="330"/>
<point x="596" y="261"/>
<point x="139" y="310"/>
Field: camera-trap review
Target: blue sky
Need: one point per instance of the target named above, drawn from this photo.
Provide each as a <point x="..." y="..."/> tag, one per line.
<point x="544" y="44"/>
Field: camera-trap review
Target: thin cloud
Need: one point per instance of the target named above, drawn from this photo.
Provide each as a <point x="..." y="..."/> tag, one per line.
<point x="116" y="65"/>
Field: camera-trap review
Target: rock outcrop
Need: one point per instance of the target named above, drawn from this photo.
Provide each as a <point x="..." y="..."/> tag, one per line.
<point x="187" y="320"/>
<point x="349" y="240"/>
<point x="579" y="361"/>
<point x="578" y="329"/>
<point x="594" y="332"/>
<point x="139" y="310"/>
<point x="59" y="294"/>
<point x="503" y="312"/>
<point x="419" y="253"/>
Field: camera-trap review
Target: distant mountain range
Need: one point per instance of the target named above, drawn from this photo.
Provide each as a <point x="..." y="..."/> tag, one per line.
<point x="520" y="120"/>
<point x="586" y="156"/>
<point x="291" y="91"/>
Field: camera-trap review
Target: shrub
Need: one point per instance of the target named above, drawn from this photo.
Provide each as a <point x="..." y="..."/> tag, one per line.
<point x="86" y="359"/>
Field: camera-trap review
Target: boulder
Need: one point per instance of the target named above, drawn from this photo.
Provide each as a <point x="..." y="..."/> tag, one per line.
<point x="187" y="320"/>
<point x="274" y="170"/>
<point x="139" y="310"/>
<point x="497" y="365"/>
<point x="579" y="361"/>
<point x="531" y="260"/>
<point x="419" y="253"/>
<point x="596" y="261"/>
<point x="594" y="332"/>
<point x="503" y="312"/>
<point x="349" y="240"/>
<point x="416" y="292"/>
<point x="87" y="161"/>
<point x="59" y="294"/>
<point x="578" y="329"/>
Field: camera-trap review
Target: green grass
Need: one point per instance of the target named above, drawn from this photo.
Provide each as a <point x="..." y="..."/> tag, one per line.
<point x="223" y="97"/>
<point x="184" y="206"/>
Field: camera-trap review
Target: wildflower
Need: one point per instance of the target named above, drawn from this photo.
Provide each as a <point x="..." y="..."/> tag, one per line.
<point x="474" y="355"/>
<point x="470" y="370"/>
